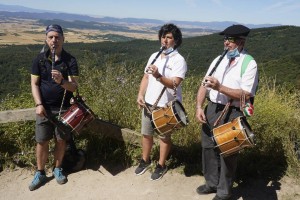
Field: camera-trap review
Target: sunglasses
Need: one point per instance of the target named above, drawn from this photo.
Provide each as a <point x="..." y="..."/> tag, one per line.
<point x="230" y="39"/>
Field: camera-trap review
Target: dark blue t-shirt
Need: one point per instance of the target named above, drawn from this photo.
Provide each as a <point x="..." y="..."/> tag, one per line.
<point x="51" y="92"/>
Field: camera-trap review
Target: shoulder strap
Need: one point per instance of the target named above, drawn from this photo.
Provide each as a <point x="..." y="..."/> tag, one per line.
<point x="245" y="63"/>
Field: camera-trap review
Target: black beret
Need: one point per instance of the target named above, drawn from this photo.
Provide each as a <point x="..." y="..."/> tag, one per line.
<point x="236" y="31"/>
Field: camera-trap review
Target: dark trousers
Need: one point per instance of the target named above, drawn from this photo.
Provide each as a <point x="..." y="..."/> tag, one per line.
<point x="218" y="171"/>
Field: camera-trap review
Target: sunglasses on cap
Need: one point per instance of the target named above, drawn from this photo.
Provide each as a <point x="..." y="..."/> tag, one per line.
<point x="54" y="27"/>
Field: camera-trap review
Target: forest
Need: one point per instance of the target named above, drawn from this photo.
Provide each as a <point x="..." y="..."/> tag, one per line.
<point x="275" y="49"/>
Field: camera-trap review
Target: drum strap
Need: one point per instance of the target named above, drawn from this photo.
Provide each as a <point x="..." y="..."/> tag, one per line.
<point x="224" y="111"/>
<point x="160" y="95"/>
<point x="154" y="106"/>
<point x="242" y="101"/>
<point x="242" y="106"/>
<point x="175" y="89"/>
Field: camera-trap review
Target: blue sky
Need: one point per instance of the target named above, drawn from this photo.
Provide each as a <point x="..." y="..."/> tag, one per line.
<point x="286" y="12"/>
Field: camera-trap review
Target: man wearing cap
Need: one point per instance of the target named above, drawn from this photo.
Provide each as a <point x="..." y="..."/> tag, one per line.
<point x="54" y="76"/>
<point x="223" y="84"/>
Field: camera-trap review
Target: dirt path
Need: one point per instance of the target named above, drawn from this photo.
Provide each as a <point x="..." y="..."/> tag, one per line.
<point x="102" y="185"/>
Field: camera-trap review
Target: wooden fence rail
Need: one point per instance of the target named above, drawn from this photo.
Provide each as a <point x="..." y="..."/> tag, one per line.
<point x="97" y="126"/>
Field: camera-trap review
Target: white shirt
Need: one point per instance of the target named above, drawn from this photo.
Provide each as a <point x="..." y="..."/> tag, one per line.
<point x="230" y="76"/>
<point x="172" y="65"/>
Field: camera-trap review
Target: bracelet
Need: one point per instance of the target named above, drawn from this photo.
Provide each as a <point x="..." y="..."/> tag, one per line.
<point x="38" y="104"/>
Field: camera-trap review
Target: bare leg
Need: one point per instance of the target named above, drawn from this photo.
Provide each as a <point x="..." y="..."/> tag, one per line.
<point x="147" y="144"/>
<point x="165" y="147"/>
<point x="60" y="147"/>
<point x="42" y="153"/>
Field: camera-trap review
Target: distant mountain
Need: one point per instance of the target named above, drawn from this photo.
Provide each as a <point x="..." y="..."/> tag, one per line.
<point x="222" y="25"/>
<point x="13" y="8"/>
<point x="8" y="11"/>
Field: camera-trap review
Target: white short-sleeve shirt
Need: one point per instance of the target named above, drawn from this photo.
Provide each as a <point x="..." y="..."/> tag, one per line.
<point x="230" y="76"/>
<point x="172" y="65"/>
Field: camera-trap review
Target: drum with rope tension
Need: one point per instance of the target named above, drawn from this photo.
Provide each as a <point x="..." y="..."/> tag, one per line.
<point x="78" y="115"/>
<point x="233" y="136"/>
<point x="167" y="119"/>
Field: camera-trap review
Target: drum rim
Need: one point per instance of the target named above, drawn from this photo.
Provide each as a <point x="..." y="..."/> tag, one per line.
<point x="244" y="120"/>
<point x="176" y="114"/>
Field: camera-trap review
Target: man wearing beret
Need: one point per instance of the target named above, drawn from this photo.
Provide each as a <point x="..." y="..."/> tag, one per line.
<point x="224" y="84"/>
<point x="54" y="77"/>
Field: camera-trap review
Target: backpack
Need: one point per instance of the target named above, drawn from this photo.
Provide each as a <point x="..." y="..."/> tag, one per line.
<point x="74" y="159"/>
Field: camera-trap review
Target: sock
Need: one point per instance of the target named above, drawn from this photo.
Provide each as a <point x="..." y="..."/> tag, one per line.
<point x="42" y="172"/>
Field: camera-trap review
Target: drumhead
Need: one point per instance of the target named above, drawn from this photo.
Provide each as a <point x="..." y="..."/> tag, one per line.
<point x="248" y="130"/>
<point x="180" y="112"/>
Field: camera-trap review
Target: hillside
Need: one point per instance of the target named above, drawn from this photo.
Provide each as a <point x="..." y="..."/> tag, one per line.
<point x="275" y="49"/>
<point x="21" y="25"/>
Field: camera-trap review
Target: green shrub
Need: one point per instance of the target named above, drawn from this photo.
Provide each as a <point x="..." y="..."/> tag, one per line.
<point x="276" y="127"/>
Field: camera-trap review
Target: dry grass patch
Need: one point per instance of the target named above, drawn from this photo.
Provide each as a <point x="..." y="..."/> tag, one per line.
<point x="24" y="31"/>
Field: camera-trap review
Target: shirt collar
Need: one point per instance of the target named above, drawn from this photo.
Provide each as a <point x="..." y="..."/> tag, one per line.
<point x="172" y="53"/>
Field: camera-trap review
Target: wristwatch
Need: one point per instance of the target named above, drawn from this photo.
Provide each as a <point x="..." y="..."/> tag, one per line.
<point x="159" y="78"/>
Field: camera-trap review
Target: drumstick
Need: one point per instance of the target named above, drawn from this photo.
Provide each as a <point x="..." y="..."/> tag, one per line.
<point x="148" y="109"/>
<point x="55" y="124"/>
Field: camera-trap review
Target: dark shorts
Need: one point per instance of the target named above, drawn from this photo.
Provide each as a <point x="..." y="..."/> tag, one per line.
<point x="48" y="127"/>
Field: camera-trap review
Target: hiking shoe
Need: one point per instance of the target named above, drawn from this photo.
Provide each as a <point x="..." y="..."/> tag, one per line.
<point x="143" y="167"/>
<point x="221" y="198"/>
<point x="58" y="174"/>
<point x="203" y="189"/>
<point x="38" y="181"/>
<point x="158" y="172"/>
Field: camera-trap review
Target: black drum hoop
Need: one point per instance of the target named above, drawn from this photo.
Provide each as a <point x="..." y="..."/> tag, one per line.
<point x="177" y="115"/>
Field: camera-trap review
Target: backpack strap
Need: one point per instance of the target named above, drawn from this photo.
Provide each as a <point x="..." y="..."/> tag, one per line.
<point x="245" y="63"/>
